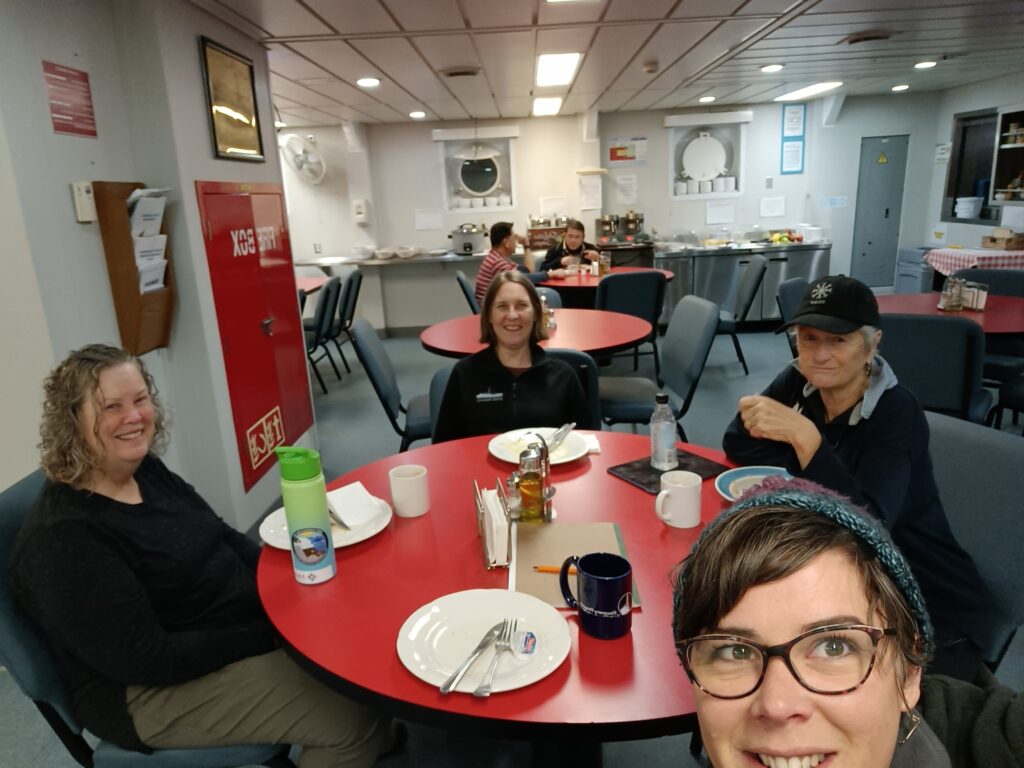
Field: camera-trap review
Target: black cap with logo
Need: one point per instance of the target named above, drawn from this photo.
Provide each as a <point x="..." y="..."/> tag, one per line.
<point x="837" y="304"/>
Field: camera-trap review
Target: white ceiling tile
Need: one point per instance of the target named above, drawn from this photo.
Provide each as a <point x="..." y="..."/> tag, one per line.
<point x="514" y="106"/>
<point x="444" y="51"/>
<point x="498" y="13"/>
<point x="292" y="119"/>
<point x="637" y="10"/>
<point x="281" y="18"/>
<point x="383" y="112"/>
<point x="447" y="109"/>
<point x="572" y="40"/>
<point x="570" y="13"/>
<point x="297" y="93"/>
<point x="612" y="50"/>
<point x="691" y="9"/>
<point x="417" y="15"/>
<point x="354" y="16"/>
<point x="509" y="62"/>
<point x="578" y="103"/>
<point x="669" y="43"/>
<point x="724" y="38"/>
<point x="224" y="13"/>
<point x="777" y="7"/>
<point x="612" y="100"/>
<point x="289" y="64"/>
<point x="686" y="96"/>
<point x="399" y="61"/>
<point x="646" y="99"/>
<point x="337" y="90"/>
<point x="339" y="58"/>
<point x="346" y="113"/>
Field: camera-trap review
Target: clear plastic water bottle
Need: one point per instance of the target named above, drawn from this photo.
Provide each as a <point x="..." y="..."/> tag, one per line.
<point x="663" y="435"/>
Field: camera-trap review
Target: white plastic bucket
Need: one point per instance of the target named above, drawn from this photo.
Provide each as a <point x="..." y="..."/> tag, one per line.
<point x="968" y="207"/>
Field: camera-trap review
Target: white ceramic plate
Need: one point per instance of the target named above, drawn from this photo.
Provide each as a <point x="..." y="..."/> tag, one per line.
<point x="274" y="529"/>
<point x="508" y="445"/>
<point x="438" y="636"/>
<point x="735" y="482"/>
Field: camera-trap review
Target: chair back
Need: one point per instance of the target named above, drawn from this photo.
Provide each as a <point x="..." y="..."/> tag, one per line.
<point x="336" y="320"/>
<point x="552" y="297"/>
<point x="347" y="307"/>
<point x="1000" y="282"/>
<point x="24" y="650"/>
<point x="940" y="360"/>
<point x="640" y="294"/>
<point x="753" y="273"/>
<point x="323" y="316"/>
<point x="788" y="296"/>
<point x="467" y="291"/>
<point x="586" y="370"/>
<point x="379" y="369"/>
<point x="686" y="345"/>
<point x="438" y="385"/>
<point x="978" y="472"/>
<point x="302" y="300"/>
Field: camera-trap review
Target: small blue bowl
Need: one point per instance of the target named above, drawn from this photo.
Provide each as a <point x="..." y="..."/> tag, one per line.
<point x="735" y="482"/>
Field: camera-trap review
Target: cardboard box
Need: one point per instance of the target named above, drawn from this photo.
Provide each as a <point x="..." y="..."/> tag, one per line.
<point x="1011" y="243"/>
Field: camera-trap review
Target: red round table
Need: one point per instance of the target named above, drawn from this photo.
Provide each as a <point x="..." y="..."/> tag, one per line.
<point x="345" y="631"/>
<point x="588" y="330"/>
<point x="1002" y="314"/>
<point x="586" y="280"/>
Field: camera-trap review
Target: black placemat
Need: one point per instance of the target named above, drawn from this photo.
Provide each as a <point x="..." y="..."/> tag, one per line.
<point x="641" y="474"/>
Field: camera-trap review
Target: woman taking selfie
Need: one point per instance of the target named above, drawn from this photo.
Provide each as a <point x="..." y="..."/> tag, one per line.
<point x="803" y="633"/>
<point x="148" y="599"/>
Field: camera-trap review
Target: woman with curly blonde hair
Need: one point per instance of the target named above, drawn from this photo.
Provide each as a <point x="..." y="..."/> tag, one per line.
<point x="148" y="599"/>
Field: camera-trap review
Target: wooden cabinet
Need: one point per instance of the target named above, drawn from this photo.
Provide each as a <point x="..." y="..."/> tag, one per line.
<point x="1008" y="164"/>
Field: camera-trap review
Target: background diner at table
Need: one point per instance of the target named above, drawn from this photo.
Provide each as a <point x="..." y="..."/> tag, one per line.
<point x="838" y="416"/>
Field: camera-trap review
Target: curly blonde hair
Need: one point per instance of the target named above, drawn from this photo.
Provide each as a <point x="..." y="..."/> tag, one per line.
<point x="65" y="455"/>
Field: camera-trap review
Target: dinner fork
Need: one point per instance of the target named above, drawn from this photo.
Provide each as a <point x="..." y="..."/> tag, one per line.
<point x="503" y="643"/>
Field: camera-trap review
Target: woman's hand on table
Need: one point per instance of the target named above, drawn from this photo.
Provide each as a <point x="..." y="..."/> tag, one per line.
<point x="557" y="273"/>
<point x="768" y="419"/>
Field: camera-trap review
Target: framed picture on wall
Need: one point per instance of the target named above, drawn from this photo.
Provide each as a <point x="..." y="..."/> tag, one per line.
<point x="231" y="101"/>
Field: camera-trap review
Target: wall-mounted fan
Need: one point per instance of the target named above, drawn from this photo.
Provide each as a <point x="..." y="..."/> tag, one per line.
<point x="300" y="154"/>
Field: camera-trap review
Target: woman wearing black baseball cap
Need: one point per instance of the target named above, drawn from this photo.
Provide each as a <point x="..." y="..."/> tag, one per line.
<point x="838" y="416"/>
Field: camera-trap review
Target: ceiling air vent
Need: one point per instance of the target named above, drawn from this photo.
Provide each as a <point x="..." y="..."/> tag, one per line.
<point x="461" y="71"/>
<point x="871" y="36"/>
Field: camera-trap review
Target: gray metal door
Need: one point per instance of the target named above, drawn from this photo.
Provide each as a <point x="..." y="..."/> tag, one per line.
<point x="876" y="229"/>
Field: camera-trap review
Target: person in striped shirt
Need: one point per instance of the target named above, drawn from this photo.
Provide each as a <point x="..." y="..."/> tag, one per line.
<point x="499" y="259"/>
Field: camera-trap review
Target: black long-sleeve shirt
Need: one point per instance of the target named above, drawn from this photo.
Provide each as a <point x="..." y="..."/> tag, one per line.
<point x="157" y="593"/>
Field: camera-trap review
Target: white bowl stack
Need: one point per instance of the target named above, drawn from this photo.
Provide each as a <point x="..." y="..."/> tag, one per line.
<point x="968" y="207"/>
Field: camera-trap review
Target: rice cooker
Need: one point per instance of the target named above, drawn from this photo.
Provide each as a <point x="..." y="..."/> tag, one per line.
<point x="470" y="238"/>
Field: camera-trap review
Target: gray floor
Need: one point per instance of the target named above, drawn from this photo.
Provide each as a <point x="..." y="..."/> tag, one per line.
<point x="354" y="430"/>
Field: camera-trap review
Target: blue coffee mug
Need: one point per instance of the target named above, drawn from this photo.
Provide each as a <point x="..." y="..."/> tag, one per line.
<point x="604" y="583"/>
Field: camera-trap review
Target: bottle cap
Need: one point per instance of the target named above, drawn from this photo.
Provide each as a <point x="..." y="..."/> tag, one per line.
<point x="298" y="463"/>
<point x="661" y="398"/>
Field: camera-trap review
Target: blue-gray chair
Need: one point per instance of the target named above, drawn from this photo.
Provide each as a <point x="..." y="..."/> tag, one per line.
<point x="438" y="385"/>
<point x="685" y="348"/>
<point x="552" y="297"/>
<point x="586" y="370"/>
<point x="640" y="294"/>
<point x="978" y="471"/>
<point x="729" y="320"/>
<point x="467" y="291"/>
<point x="412" y="421"/>
<point x="25" y="652"/>
<point x="1004" y="355"/>
<point x="788" y="296"/>
<point x="346" y="313"/>
<point x="940" y="360"/>
<point x="318" y="332"/>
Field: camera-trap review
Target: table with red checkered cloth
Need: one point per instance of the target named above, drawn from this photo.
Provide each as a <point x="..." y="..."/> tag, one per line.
<point x="949" y="260"/>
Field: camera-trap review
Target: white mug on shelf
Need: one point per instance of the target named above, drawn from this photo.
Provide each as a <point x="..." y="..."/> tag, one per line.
<point x="692" y="186"/>
<point x="680" y="188"/>
<point x="706" y="187"/>
<point x="730" y="183"/>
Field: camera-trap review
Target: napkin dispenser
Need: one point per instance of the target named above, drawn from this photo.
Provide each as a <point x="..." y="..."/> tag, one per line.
<point x="494" y="525"/>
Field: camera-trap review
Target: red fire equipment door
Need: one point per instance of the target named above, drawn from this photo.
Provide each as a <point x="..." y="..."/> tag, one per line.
<point x="249" y="256"/>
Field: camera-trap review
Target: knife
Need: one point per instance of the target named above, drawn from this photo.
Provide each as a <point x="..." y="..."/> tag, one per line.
<point x="560" y="435"/>
<point x="489" y="637"/>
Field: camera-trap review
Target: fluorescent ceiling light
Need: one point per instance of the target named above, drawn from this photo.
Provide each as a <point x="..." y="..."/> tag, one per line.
<point x="924" y="65"/>
<point x="556" y="68"/>
<point x="898" y="88"/>
<point x="706" y="99"/>
<point x="368" y="82"/>
<point x="418" y="114"/>
<point x="769" y="68"/>
<point x="810" y="90"/>
<point x="547" y="106"/>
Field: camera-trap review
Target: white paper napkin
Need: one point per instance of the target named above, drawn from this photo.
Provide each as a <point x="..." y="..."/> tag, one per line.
<point x="354" y="504"/>
<point x="593" y="446"/>
<point x="495" y="528"/>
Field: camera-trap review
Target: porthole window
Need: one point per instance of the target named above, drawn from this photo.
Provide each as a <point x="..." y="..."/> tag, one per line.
<point x="479" y="177"/>
<point x="477" y="170"/>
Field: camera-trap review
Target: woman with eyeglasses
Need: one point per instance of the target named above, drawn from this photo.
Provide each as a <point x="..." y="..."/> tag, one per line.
<point x="803" y="633"/>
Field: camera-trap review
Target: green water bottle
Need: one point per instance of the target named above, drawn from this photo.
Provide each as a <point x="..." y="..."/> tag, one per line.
<point x="305" y="509"/>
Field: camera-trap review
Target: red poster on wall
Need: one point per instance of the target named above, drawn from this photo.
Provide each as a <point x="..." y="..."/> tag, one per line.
<point x="253" y="281"/>
<point x="70" y="100"/>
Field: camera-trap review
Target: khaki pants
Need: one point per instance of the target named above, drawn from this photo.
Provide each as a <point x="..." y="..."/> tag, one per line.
<point x="264" y="699"/>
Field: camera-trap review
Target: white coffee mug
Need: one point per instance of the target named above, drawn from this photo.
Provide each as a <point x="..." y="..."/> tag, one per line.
<point x="680" y="188"/>
<point x="410" y="492"/>
<point x="705" y="187"/>
<point x="730" y="183"/>
<point x="678" y="504"/>
<point x="718" y="184"/>
<point x="692" y="186"/>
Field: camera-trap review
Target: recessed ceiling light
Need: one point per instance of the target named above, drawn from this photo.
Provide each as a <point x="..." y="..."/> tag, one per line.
<point x="418" y="114"/>
<point x="924" y="65"/>
<point x="810" y="90"/>
<point x="556" y="68"/>
<point x="706" y="99"/>
<point x="899" y="88"/>
<point x="368" y="82"/>
<point x="769" y="68"/>
<point x="547" y="106"/>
